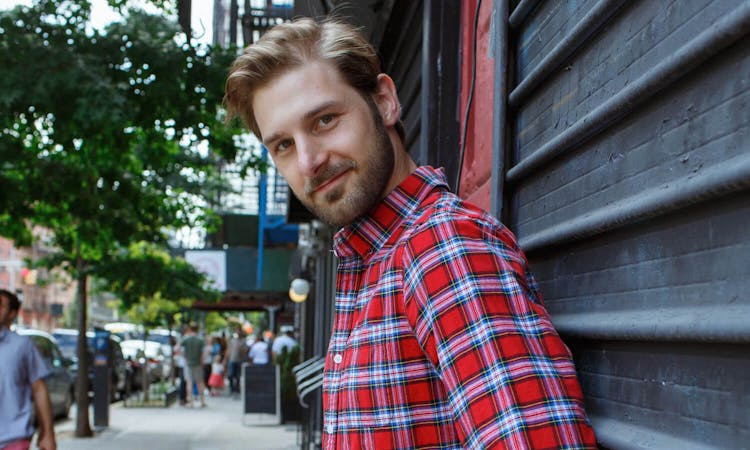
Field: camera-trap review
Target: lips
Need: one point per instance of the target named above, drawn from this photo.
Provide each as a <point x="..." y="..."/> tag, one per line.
<point x="328" y="177"/>
<point x="329" y="182"/>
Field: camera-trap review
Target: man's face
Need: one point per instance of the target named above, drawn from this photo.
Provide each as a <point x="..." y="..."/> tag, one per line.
<point x="326" y="140"/>
<point x="6" y="315"/>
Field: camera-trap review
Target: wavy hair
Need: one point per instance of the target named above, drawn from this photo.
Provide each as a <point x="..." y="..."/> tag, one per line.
<point x="292" y="44"/>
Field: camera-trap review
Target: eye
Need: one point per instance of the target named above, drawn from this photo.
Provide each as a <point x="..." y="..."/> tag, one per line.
<point x="325" y="119"/>
<point x="283" y="145"/>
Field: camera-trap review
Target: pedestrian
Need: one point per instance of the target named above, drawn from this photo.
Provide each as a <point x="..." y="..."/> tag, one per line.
<point x="22" y="373"/>
<point x="440" y="336"/>
<point x="179" y="363"/>
<point x="235" y="355"/>
<point x="285" y="341"/>
<point x="192" y="346"/>
<point x="216" y="380"/>
<point x="207" y="357"/>
<point x="259" y="353"/>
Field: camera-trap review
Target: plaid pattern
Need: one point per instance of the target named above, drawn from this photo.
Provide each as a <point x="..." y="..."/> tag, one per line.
<point x="440" y="339"/>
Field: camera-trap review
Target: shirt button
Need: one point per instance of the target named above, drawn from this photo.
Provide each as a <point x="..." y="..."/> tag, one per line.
<point x="329" y="428"/>
<point x="337" y="358"/>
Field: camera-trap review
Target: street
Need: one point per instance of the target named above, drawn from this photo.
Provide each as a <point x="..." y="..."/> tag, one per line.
<point x="219" y="426"/>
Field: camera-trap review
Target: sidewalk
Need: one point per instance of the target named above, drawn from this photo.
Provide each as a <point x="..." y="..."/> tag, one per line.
<point x="219" y="426"/>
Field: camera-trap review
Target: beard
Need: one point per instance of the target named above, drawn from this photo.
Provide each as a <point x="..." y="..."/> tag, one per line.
<point x="341" y="206"/>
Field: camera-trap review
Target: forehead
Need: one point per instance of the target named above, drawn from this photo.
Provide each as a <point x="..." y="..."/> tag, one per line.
<point x="298" y="90"/>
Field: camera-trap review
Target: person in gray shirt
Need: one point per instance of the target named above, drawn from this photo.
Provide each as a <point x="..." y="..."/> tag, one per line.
<point x="22" y="372"/>
<point x="193" y="349"/>
<point x="235" y="355"/>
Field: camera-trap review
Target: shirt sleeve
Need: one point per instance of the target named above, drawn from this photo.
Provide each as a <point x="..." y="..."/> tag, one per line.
<point x="37" y="368"/>
<point x="508" y="377"/>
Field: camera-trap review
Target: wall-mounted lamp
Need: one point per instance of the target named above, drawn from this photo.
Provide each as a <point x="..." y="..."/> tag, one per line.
<point x="298" y="290"/>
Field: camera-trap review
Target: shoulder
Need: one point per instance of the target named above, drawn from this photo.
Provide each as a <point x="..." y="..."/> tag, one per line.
<point x="9" y="346"/>
<point x="21" y="352"/>
<point x="20" y="343"/>
<point x="449" y="225"/>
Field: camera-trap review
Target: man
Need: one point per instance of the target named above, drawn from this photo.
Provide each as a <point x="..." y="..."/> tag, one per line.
<point x="235" y="355"/>
<point x="440" y="338"/>
<point x="193" y="352"/>
<point x="285" y="341"/>
<point x="22" y="372"/>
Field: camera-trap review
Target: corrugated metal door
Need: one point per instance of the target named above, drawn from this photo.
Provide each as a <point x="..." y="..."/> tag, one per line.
<point x="627" y="185"/>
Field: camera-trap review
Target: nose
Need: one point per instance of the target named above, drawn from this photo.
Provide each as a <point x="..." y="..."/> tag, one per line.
<point x="311" y="158"/>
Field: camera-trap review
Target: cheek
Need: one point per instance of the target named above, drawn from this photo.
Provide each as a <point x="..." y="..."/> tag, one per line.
<point x="350" y="140"/>
<point x="288" y="171"/>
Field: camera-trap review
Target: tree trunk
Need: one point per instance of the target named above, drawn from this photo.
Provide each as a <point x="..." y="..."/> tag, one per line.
<point x="83" y="427"/>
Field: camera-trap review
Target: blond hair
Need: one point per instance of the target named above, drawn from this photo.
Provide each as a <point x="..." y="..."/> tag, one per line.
<point x="291" y="45"/>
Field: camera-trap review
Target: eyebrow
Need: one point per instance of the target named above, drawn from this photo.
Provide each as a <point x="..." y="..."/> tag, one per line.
<point x="309" y="114"/>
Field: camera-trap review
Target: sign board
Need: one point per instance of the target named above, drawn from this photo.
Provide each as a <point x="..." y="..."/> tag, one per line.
<point x="213" y="263"/>
<point x="261" y="390"/>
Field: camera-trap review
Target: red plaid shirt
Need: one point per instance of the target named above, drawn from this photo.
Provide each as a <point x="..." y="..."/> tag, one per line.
<point x="440" y="338"/>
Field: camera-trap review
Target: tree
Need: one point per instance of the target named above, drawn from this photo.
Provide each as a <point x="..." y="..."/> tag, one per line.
<point x="215" y="321"/>
<point x="153" y="286"/>
<point x="106" y="138"/>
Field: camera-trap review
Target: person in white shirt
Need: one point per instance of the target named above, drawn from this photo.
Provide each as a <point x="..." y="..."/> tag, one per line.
<point x="285" y="341"/>
<point x="259" y="351"/>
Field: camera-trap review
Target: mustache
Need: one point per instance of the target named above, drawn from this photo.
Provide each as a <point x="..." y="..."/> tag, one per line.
<point x="328" y="173"/>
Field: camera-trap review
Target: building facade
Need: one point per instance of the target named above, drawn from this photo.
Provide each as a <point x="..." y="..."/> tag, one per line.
<point x="612" y="137"/>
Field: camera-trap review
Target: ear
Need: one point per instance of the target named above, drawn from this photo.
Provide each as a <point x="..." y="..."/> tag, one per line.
<point x="386" y="99"/>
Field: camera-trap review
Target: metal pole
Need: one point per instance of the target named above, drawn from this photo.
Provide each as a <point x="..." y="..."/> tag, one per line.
<point x="499" y="127"/>
<point x="261" y="219"/>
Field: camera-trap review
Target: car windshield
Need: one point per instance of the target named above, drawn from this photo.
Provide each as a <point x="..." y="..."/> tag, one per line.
<point x="67" y="343"/>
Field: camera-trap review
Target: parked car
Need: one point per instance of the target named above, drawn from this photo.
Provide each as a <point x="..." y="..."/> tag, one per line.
<point x="150" y="357"/>
<point x="60" y="382"/>
<point x="121" y="373"/>
<point x="166" y="338"/>
<point x="67" y="340"/>
<point x="123" y="330"/>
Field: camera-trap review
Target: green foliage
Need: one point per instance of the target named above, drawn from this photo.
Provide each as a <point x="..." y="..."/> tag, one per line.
<point x="153" y="285"/>
<point x="168" y="6"/>
<point x="215" y="321"/>
<point x="286" y="360"/>
<point x="110" y="137"/>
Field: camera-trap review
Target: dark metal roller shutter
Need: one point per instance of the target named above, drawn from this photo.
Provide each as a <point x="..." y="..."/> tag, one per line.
<point x="628" y="187"/>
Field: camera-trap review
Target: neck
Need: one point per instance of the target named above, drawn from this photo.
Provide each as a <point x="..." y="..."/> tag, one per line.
<point x="403" y="164"/>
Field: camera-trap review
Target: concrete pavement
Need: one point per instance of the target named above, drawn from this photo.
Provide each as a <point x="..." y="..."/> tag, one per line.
<point x="219" y="426"/>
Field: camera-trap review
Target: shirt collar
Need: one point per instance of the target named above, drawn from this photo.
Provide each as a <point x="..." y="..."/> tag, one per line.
<point x="373" y="230"/>
<point x="3" y="332"/>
